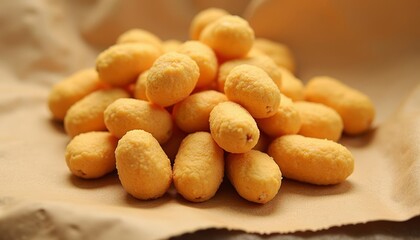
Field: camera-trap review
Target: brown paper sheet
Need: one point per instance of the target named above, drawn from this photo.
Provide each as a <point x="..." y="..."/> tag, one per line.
<point x="370" y="45"/>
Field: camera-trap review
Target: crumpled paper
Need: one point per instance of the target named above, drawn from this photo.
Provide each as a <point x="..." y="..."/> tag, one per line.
<point x="372" y="46"/>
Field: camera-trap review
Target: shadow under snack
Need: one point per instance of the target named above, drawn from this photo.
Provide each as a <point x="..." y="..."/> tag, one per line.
<point x="294" y="187"/>
<point x="107" y="180"/>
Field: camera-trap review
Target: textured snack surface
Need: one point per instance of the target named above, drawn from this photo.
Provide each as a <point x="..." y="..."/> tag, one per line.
<point x="354" y="107"/>
<point x="251" y="87"/>
<point x="120" y="65"/>
<point x="88" y="114"/>
<point x="319" y="121"/>
<point x="254" y="174"/>
<point x="172" y="78"/>
<point x="143" y="167"/>
<point x="70" y="90"/>
<point x="233" y="128"/>
<point x="91" y="155"/>
<point x="199" y="167"/>
<point x="127" y="114"/>
<point x="192" y="114"/>
<point x="312" y="160"/>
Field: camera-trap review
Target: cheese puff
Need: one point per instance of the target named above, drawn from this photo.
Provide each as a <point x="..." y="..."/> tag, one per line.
<point x="140" y="87"/>
<point x="87" y="114"/>
<point x="255" y="175"/>
<point x="312" y="160"/>
<point x="204" y="18"/>
<point x="126" y="114"/>
<point x="285" y="121"/>
<point x="291" y="86"/>
<point x="70" y="90"/>
<point x="172" y="78"/>
<point x="136" y="35"/>
<point x="205" y="59"/>
<point x="229" y="36"/>
<point x="252" y="88"/>
<point x="233" y="128"/>
<point x="143" y="167"/>
<point x="120" y="65"/>
<point x="354" y="107"/>
<point x="280" y="53"/>
<point x="199" y="167"/>
<point x="192" y="114"/>
<point x="91" y="155"/>
<point x="319" y="121"/>
<point x="261" y="61"/>
<point x="171" y="45"/>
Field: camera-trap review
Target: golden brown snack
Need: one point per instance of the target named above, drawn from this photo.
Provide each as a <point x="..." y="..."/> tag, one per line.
<point x="127" y="114"/>
<point x="354" y="107"/>
<point x="91" y="155"/>
<point x="251" y="87"/>
<point x="205" y="59"/>
<point x="87" y="114"/>
<point x="261" y="61"/>
<point x="255" y="175"/>
<point x="192" y="114"/>
<point x="199" y="167"/>
<point x="233" y="128"/>
<point x="140" y="87"/>
<point x="143" y="167"/>
<point x="120" y="65"/>
<point x="312" y="160"/>
<point x="229" y="36"/>
<point x="70" y="90"/>
<point x="172" y="78"/>
<point x="285" y="121"/>
<point x="204" y="18"/>
<point x="136" y="35"/>
<point x="280" y="53"/>
<point x="171" y="45"/>
<point x="291" y="86"/>
<point x="319" y="121"/>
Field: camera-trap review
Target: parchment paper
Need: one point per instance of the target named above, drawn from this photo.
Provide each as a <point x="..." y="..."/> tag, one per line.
<point x="370" y="45"/>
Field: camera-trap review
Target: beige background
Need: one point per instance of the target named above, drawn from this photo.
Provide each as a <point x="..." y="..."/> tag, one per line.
<point x="373" y="46"/>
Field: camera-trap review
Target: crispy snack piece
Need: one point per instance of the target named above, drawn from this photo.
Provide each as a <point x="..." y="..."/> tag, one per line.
<point x="70" y="90"/>
<point x="120" y="65"/>
<point x="254" y="174"/>
<point x="319" y="121"/>
<point x="285" y="121"/>
<point x="233" y="128"/>
<point x="143" y="167"/>
<point x="354" y="107"/>
<point x="87" y="114"/>
<point x="199" y="167"/>
<point x="140" y="87"/>
<point x="251" y="87"/>
<point x="192" y="114"/>
<point x="229" y="36"/>
<point x="91" y="155"/>
<point x="261" y="61"/>
<point x="172" y="78"/>
<point x="312" y="160"/>
<point x="205" y="59"/>
<point x="127" y="114"/>
<point x="204" y="18"/>
<point x="280" y="53"/>
<point x="291" y="86"/>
